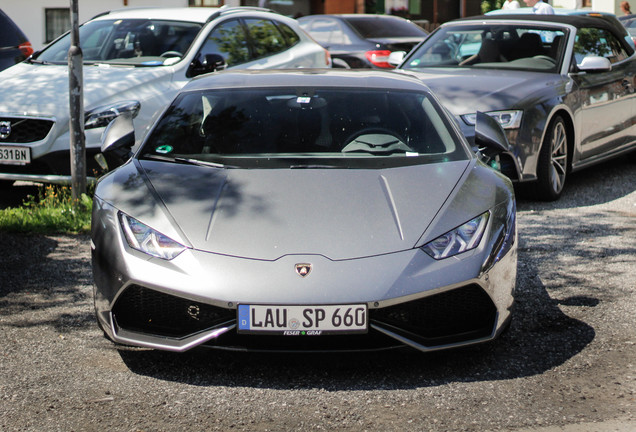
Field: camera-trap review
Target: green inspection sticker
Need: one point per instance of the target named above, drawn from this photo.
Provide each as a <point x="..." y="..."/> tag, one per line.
<point x="164" y="149"/>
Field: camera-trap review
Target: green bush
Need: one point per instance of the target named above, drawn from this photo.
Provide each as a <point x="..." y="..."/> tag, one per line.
<point x="53" y="211"/>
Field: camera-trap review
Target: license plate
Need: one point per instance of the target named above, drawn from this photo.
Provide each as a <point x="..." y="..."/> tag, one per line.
<point x="11" y="155"/>
<point x="302" y="320"/>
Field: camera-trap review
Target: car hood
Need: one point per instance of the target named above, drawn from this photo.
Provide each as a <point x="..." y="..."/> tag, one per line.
<point x="465" y="91"/>
<point x="268" y="213"/>
<point x="43" y="90"/>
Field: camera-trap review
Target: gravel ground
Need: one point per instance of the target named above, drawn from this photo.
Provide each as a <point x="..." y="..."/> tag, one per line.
<point x="567" y="364"/>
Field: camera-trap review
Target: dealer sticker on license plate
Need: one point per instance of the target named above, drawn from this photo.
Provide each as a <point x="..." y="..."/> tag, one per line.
<point x="15" y="155"/>
<point x="302" y="320"/>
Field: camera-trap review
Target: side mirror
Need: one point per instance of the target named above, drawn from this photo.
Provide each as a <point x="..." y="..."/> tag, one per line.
<point x="396" y="58"/>
<point x="595" y="64"/>
<point x="210" y="63"/>
<point x="339" y="63"/>
<point x="118" y="139"/>
<point x="490" y="135"/>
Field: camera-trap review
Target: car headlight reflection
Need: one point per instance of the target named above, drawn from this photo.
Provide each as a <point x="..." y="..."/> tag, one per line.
<point x="510" y="119"/>
<point x="458" y="240"/>
<point x="143" y="238"/>
<point x="102" y="115"/>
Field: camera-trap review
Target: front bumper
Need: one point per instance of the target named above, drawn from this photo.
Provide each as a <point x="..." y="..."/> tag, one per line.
<point x="412" y="299"/>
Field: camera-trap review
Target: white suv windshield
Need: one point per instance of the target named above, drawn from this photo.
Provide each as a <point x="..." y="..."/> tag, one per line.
<point x="340" y="127"/>
<point x="131" y="41"/>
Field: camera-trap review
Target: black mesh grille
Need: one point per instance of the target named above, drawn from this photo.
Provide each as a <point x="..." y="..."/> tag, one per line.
<point x="147" y="311"/>
<point x="26" y="130"/>
<point x="458" y="315"/>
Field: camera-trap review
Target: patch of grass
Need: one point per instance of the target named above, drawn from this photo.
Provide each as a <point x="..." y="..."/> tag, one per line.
<point x="51" y="212"/>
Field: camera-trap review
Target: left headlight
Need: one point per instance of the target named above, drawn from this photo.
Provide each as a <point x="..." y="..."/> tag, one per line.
<point x="458" y="240"/>
<point x="102" y="115"/>
<point x="143" y="238"/>
<point x="510" y="119"/>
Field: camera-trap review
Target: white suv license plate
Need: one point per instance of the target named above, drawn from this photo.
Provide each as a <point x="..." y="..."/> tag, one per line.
<point x="10" y="155"/>
<point x="302" y="320"/>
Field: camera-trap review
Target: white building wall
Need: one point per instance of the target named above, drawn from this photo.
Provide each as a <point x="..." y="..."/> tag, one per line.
<point x="29" y="15"/>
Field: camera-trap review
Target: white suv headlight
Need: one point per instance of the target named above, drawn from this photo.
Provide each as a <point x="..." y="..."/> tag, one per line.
<point x="143" y="238"/>
<point x="510" y="119"/>
<point x="458" y="240"/>
<point x="102" y="115"/>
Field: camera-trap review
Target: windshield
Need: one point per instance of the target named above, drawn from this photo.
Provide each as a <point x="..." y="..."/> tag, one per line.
<point x="140" y="42"/>
<point x="305" y="127"/>
<point x="494" y="46"/>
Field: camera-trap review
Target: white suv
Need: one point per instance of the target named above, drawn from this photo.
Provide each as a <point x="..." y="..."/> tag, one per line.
<point x="134" y="60"/>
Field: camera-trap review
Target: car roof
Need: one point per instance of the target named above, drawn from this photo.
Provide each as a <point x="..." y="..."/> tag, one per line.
<point x="200" y="15"/>
<point x="375" y="16"/>
<point x="189" y="14"/>
<point x="577" y="20"/>
<point x="349" y="78"/>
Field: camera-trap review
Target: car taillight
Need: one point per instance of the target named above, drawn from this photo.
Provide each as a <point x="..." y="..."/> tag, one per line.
<point x="26" y="48"/>
<point x="379" y="58"/>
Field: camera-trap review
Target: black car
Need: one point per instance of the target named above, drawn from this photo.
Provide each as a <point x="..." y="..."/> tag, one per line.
<point x="362" y="41"/>
<point x="14" y="45"/>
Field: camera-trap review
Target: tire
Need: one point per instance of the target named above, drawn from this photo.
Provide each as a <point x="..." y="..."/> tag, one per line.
<point x="553" y="162"/>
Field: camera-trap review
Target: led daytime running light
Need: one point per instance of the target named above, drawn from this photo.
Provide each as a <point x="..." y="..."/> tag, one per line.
<point x="144" y="239"/>
<point x="458" y="240"/>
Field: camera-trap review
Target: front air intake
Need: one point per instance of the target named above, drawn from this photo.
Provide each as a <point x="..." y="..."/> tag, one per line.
<point x="143" y="310"/>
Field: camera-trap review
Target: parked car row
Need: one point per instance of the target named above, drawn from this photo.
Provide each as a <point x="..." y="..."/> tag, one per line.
<point x="315" y="209"/>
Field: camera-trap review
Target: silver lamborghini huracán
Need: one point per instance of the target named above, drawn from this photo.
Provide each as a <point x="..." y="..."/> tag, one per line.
<point x="305" y="210"/>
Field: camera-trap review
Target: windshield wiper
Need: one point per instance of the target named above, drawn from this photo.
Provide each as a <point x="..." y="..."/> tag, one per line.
<point x="36" y="61"/>
<point x="187" y="161"/>
<point x="311" y="166"/>
<point x="202" y="163"/>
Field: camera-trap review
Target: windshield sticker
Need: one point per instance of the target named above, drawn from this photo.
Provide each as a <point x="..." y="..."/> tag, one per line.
<point x="164" y="149"/>
<point x="415" y="62"/>
<point x="303" y="100"/>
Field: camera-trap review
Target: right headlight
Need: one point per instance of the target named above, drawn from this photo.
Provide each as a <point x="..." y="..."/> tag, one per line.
<point x="144" y="239"/>
<point x="102" y="115"/>
<point x="458" y="240"/>
<point x="509" y="119"/>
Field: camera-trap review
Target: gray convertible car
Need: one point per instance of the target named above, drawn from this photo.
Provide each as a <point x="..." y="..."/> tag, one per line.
<point x="313" y="210"/>
<point x="561" y="86"/>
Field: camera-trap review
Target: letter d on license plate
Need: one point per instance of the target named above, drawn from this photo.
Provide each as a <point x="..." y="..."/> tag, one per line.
<point x="302" y="320"/>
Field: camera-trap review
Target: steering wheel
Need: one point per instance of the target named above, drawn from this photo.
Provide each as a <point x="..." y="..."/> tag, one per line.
<point x="372" y="130"/>
<point x="545" y="57"/>
<point x="171" y="54"/>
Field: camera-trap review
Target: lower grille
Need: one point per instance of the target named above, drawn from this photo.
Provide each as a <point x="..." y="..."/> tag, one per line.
<point x="459" y="315"/>
<point x="147" y="311"/>
<point x="26" y="130"/>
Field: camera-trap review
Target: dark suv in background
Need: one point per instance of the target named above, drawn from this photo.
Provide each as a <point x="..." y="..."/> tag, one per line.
<point x="14" y="45"/>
